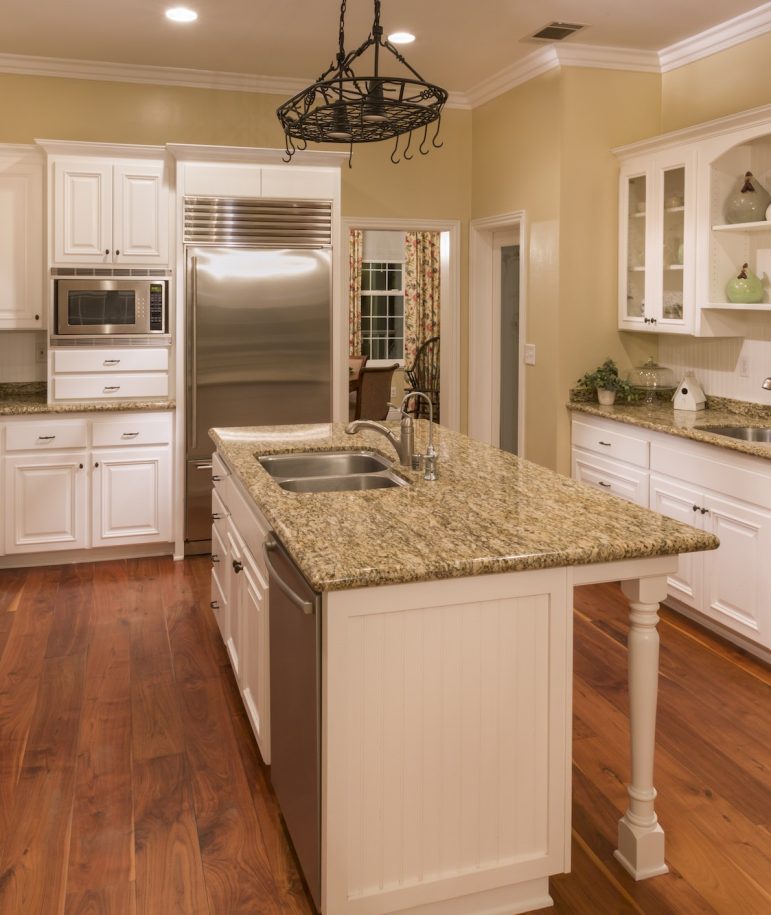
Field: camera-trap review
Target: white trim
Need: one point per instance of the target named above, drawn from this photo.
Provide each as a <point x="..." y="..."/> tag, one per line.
<point x="484" y="354"/>
<point x="540" y="61"/>
<point x="720" y="37"/>
<point x="450" y="309"/>
<point x="113" y="150"/>
<point x="185" y="152"/>
<point x="602" y="58"/>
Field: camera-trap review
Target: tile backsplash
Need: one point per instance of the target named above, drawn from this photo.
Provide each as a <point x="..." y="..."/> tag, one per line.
<point x="18" y="356"/>
<point x="724" y="366"/>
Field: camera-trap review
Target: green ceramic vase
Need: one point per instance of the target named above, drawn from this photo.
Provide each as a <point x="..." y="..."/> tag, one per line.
<point x="744" y="289"/>
<point x="749" y="202"/>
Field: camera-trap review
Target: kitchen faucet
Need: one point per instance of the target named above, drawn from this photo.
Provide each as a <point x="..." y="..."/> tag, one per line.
<point x="766" y="384"/>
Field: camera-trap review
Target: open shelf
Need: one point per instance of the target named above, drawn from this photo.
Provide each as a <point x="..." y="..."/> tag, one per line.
<point x="738" y="306"/>
<point x="761" y="226"/>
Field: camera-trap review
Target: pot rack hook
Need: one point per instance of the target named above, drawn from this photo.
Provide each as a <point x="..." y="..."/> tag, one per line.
<point x="423" y="152"/>
<point x="350" y="156"/>
<point x="289" y="149"/>
<point x="407" y="149"/>
<point x="436" y="134"/>
<point x="394" y="151"/>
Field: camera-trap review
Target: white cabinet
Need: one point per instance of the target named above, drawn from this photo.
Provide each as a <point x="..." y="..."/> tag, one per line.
<point x="21" y="239"/>
<point x="109" y="211"/>
<point x="239" y="589"/>
<point x="613" y="461"/>
<point x="109" y="373"/>
<point x="657" y="207"/>
<point x="74" y="483"/>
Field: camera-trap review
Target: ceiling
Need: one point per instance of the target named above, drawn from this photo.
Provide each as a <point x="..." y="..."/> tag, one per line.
<point x="459" y="43"/>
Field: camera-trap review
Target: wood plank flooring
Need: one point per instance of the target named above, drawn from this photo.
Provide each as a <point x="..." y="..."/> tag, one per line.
<point x="130" y="783"/>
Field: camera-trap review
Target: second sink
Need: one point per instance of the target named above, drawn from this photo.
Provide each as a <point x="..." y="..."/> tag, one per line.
<point x="743" y="433"/>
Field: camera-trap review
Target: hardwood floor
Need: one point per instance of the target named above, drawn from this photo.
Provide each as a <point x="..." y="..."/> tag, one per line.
<point x="130" y="783"/>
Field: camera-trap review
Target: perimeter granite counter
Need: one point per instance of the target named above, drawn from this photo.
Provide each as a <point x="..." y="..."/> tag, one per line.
<point x="446" y="633"/>
<point x="29" y="400"/>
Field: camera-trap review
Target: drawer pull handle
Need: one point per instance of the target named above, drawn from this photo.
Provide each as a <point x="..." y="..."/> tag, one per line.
<point x="111" y="387"/>
<point x="704" y="511"/>
<point x="606" y="485"/>
<point x="129" y="434"/>
<point x="216" y="516"/>
<point x="214" y="605"/>
<point x="607" y="444"/>
<point x="46" y="438"/>
<point x="111" y="362"/>
<point x="215" y="557"/>
<point x="237" y="566"/>
<point x="216" y="479"/>
<point x="695" y="508"/>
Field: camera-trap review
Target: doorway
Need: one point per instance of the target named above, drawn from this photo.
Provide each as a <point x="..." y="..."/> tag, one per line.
<point x="497" y="308"/>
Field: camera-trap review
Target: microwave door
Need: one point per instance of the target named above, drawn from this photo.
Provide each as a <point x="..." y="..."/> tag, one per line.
<point x="102" y="311"/>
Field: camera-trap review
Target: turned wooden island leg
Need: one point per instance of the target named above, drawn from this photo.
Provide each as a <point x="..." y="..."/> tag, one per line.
<point x="640" y="837"/>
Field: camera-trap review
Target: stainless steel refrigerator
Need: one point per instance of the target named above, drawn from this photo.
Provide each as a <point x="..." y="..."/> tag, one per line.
<point x="258" y="352"/>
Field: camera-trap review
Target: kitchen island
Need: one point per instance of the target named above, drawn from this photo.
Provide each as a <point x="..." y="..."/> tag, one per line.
<point x="446" y="666"/>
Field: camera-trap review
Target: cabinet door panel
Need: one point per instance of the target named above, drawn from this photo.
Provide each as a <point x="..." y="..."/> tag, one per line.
<point x="737" y="579"/>
<point x="140" y="214"/>
<point x="131" y="501"/>
<point x="83" y="212"/>
<point x="45" y="503"/>
<point x="255" y="683"/>
<point x="21" y="245"/>
<point x="677" y="501"/>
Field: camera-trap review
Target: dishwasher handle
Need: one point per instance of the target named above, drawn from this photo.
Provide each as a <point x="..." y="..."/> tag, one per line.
<point x="308" y="607"/>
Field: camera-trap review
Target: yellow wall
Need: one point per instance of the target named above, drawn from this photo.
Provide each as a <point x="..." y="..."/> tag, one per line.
<point x="544" y="147"/>
<point x="734" y="80"/>
<point x="436" y="186"/>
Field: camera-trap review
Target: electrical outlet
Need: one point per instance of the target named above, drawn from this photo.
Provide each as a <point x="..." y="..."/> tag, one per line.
<point x="744" y="366"/>
<point x="393" y="393"/>
<point x="40" y="353"/>
<point x="530" y="354"/>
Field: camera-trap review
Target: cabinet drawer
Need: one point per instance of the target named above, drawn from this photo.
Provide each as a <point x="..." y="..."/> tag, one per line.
<point x="112" y="387"/>
<point x="614" y="477"/>
<point x="131" y="431"/>
<point x="218" y="508"/>
<point x="608" y="442"/>
<point x="251" y="523"/>
<point x="49" y="435"/>
<point x="219" y="476"/>
<point x="82" y="359"/>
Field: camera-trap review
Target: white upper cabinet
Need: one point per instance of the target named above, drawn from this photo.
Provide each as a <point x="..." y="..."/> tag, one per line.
<point x="678" y="248"/>
<point x="109" y="211"/>
<point x="657" y="243"/>
<point x="21" y="239"/>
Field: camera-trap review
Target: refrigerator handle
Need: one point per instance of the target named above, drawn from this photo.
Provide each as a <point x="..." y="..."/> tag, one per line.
<point x="192" y="336"/>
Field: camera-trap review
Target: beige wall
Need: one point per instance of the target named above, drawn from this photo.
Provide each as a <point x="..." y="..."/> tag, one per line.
<point x="436" y="186"/>
<point x="734" y="80"/>
<point x="544" y="148"/>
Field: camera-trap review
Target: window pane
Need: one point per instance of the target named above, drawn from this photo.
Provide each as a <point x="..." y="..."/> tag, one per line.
<point x="399" y="305"/>
<point x="395" y="276"/>
<point x="379" y="305"/>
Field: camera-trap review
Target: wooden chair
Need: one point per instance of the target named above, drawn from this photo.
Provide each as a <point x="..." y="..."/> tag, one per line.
<point x="423" y="375"/>
<point x="355" y="368"/>
<point x="374" y="392"/>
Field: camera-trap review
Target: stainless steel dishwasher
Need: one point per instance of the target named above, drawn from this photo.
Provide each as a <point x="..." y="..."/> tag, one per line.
<point x="295" y="708"/>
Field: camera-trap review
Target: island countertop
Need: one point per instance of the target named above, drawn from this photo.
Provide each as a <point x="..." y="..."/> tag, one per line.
<point x="488" y="512"/>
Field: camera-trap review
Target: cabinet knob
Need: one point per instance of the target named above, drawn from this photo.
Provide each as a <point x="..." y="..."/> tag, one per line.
<point x="117" y="252"/>
<point x="37" y="317"/>
<point x="695" y="508"/>
<point x="80" y="466"/>
<point x="96" y="463"/>
<point x="237" y="566"/>
<point x="704" y="511"/>
<point x="106" y="250"/>
<point x="214" y="605"/>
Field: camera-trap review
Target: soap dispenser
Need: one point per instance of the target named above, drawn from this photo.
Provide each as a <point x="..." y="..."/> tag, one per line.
<point x="689" y="394"/>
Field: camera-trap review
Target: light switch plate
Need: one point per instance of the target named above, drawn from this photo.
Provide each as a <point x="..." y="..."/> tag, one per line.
<point x="530" y="354"/>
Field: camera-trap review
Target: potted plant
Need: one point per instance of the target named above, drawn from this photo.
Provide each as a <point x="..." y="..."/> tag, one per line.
<point x="606" y="381"/>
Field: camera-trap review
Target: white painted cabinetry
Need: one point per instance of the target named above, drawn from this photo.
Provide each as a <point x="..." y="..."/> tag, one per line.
<point x="109" y="373"/>
<point x="711" y="488"/>
<point x="108" y="211"/>
<point x="75" y="483"/>
<point x="615" y="462"/>
<point x="239" y="590"/>
<point x="21" y="239"/>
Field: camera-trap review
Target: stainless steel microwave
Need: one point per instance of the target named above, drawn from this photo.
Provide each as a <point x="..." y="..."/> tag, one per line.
<point x="114" y="307"/>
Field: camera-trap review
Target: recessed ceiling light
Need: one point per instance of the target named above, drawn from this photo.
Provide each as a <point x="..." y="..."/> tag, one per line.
<point x="401" y="37"/>
<point x="181" y="14"/>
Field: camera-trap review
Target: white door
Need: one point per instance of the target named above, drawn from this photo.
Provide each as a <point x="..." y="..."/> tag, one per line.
<point x="132" y="497"/>
<point x="21" y="244"/>
<point x="506" y="266"/>
<point x="45" y="503"/>
<point x="140" y="214"/>
<point x="255" y="685"/>
<point x="683" y="503"/>
<point x="83" y="212"/>
<point x="737" y="578"/>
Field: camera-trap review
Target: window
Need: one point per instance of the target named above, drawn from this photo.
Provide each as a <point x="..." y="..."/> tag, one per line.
<point x="382" y="310"/>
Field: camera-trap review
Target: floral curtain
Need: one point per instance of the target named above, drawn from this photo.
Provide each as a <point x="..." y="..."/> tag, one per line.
<point x="355" y="247"/>
<point x="421" y="291"/>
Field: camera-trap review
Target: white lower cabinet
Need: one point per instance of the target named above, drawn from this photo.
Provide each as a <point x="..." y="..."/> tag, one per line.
<point x="711" y="488"/>
<point x="64" y="490"/>
<point x="239" y="597"/>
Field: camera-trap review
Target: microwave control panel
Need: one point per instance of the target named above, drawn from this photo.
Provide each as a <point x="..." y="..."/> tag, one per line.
<point x="157" y="307"/>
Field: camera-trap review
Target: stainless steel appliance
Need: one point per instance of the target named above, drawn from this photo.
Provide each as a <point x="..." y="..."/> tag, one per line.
<point x="295" y="708"/>
<point x="258" y="291"/>
<point x="111" y="306"/>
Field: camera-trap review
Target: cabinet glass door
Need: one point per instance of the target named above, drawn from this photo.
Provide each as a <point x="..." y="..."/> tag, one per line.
<point x="635" y="253"/>
<point x="673" y="245"/>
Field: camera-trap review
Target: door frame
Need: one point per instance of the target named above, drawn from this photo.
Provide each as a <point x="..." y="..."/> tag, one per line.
<point x="449" y="360"/>
<point x="484" y="382"/>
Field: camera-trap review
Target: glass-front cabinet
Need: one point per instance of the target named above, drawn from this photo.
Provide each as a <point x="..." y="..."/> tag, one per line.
<point x="657" y="243"/>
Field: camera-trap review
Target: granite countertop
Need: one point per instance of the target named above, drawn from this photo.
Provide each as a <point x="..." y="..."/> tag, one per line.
<point x="661" y="417"/>
<point x="27" y="399"/>
<point x="489" y="511"/>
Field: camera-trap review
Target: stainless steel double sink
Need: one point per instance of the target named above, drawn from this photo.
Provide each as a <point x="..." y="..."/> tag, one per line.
<point x="331" y="471"/>
<point x="742" y="433"/>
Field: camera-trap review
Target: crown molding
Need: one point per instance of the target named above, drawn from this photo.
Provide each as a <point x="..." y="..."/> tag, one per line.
<point x="720" y="37"/>
<point x="598" y="58"/>
<point x="536" y="63"/>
